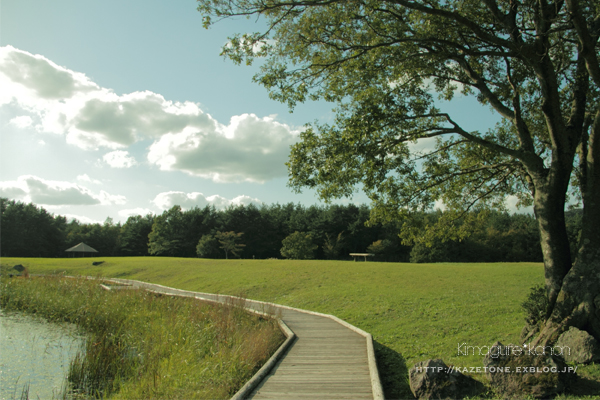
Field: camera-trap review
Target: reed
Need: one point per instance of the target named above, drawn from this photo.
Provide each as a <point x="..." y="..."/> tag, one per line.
<point x="144" y="345"/>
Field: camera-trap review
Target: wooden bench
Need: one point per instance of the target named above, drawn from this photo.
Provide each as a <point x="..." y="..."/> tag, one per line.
<point x="365" y="255"/>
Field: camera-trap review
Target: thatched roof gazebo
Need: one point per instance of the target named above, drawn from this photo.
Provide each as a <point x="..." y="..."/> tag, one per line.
<point x="80" y="250"/>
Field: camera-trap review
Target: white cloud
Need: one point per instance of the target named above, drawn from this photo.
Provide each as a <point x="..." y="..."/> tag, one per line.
<point x="90" y="116"/>
<point x="119" y="159"/>
<point x="423" y="145"/>
<point x="135" y="211"/>
<point x="439" y="205"/>
<point x="86" y="178"/>
<point x="248" y="149"/>
<point x="30" y="188"/>
<point x="13" y="190"/>
<point x="513" y="206"/>
<point x="185" y="138"/>
<point x="81" y="219"/>
<point x="166" y="200"/>
<point x="21" y="122"/>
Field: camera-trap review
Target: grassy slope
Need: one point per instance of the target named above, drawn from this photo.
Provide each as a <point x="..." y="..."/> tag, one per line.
<point x="414" y="311"/>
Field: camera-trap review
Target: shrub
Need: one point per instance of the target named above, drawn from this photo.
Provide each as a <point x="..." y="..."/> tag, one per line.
<point x="298" y="246"/>
<point x="536" y="305"/>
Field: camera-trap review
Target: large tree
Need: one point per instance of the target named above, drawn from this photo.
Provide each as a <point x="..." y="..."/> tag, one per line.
<point x="535" y="63"/>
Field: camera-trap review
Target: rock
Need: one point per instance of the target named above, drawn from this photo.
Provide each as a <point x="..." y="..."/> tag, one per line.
<point x="19" y="268"/>
<point x="578" y="346"/>
<point x="528" y="332"/>
<point x="433" y="379"/>
<point x="520" y="371"/>
<point x="97" y="262"/>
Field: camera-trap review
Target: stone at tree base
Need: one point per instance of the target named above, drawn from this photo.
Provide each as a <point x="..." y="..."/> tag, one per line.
<point x="433" y="379"/>
<point x="528" y="332"/>
<point x="579" y="346"/>
<point x="537" y="384"/>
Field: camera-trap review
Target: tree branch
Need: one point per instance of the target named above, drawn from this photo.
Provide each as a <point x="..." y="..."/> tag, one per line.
<point x="587" y="42"/>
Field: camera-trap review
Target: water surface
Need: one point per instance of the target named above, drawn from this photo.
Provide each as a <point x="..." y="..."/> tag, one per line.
<point x="37" y="353"/>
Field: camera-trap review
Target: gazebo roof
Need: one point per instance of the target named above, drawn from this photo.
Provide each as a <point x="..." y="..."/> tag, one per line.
<point x="82" y="248"/>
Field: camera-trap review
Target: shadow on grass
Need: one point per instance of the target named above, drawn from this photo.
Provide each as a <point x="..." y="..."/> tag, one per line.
<point x="127" y="274"/>
<point x="585" y="386"/>
<point x="393" y="372"/>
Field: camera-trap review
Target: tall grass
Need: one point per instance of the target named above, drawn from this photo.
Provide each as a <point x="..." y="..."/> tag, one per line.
<point x="144" y="345"/>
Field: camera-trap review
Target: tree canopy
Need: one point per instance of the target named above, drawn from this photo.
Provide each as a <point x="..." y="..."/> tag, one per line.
<point x="383" y="63"/>
<point x="229" y="242"/>
<point x="298" y="246"/>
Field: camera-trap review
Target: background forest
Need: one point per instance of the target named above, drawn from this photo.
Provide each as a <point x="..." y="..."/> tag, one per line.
<point x="336" y="230"/>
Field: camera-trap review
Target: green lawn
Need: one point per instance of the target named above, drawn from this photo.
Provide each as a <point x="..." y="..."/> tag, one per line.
<point x="414" y="311"/>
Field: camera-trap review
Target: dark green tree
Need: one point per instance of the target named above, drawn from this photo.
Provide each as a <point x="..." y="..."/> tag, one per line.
<point x="198" y="222"/>
<point x="298" y="246"/>
<point x="381" y="248"/>
<point x="333" y="245"/>
<point x="208" y="247"/>
<point x="168" y="234"/>
<point x="229" y="242"/>
<point x="104" y="237"/>
<point x="534" y="63"/>
<point x="134" y="235"/>
<point x="30" y="231"/>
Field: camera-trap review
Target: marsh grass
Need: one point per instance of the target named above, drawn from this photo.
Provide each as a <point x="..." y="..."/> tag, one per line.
<point x="144" y="345"/>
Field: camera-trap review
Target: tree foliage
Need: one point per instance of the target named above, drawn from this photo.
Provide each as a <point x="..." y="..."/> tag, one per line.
<point x="208" y="247"/>
<point x="502" y="237"/>
<point x="333" y="245"/>
<point x="229" y="242"/>
<point x="168" y="233"/>
<point x="298" y="246"/>
<point x="30" y="231"/>
<point x="134" y="235"/>
<point x="535" y="63"/>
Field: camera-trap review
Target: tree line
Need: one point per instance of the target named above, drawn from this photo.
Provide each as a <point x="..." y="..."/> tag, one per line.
<point x="269" y="231"/>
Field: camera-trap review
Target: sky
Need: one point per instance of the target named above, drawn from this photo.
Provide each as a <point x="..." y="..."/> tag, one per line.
<point x="119" y="108"/>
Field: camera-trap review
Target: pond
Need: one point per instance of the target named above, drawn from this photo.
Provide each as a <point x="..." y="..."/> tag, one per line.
<point x="35" y="353"/>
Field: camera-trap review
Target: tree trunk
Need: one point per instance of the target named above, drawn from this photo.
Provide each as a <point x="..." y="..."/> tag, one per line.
<point x="578" y="302"/>
<point x="549" y="203"/>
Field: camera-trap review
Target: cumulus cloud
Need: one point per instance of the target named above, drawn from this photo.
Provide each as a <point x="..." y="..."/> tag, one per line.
<point x="119" y="159"/>
<point x="513" y="205"/>
<point x="69" y="103"/>
<point x="422" y="146"/>
<point x="166" y="200"/>
<point x="248" y="149"/>
<point x="185" y="138"/>
<point x="81" y="219"/>
<point x="86" y="178"/>
<point x="22" y="121"/>
<point x="135" y="211"/>
<point x="33" y="189"/>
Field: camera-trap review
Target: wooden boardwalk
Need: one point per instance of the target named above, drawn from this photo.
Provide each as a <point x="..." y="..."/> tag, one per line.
<point x="329" y="359"/>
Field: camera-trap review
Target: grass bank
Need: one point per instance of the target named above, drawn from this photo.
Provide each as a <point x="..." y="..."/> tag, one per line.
<point x="143" y="345"/>
<point x="414" y="311"/>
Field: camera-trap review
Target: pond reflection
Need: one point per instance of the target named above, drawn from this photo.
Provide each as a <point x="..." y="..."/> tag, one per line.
<point x="36" y="354"/>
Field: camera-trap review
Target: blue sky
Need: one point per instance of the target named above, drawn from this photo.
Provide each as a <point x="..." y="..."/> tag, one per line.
<point x="115" y="108"/>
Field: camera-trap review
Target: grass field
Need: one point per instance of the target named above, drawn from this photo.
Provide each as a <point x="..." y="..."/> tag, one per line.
<point x="414" y="311"/>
